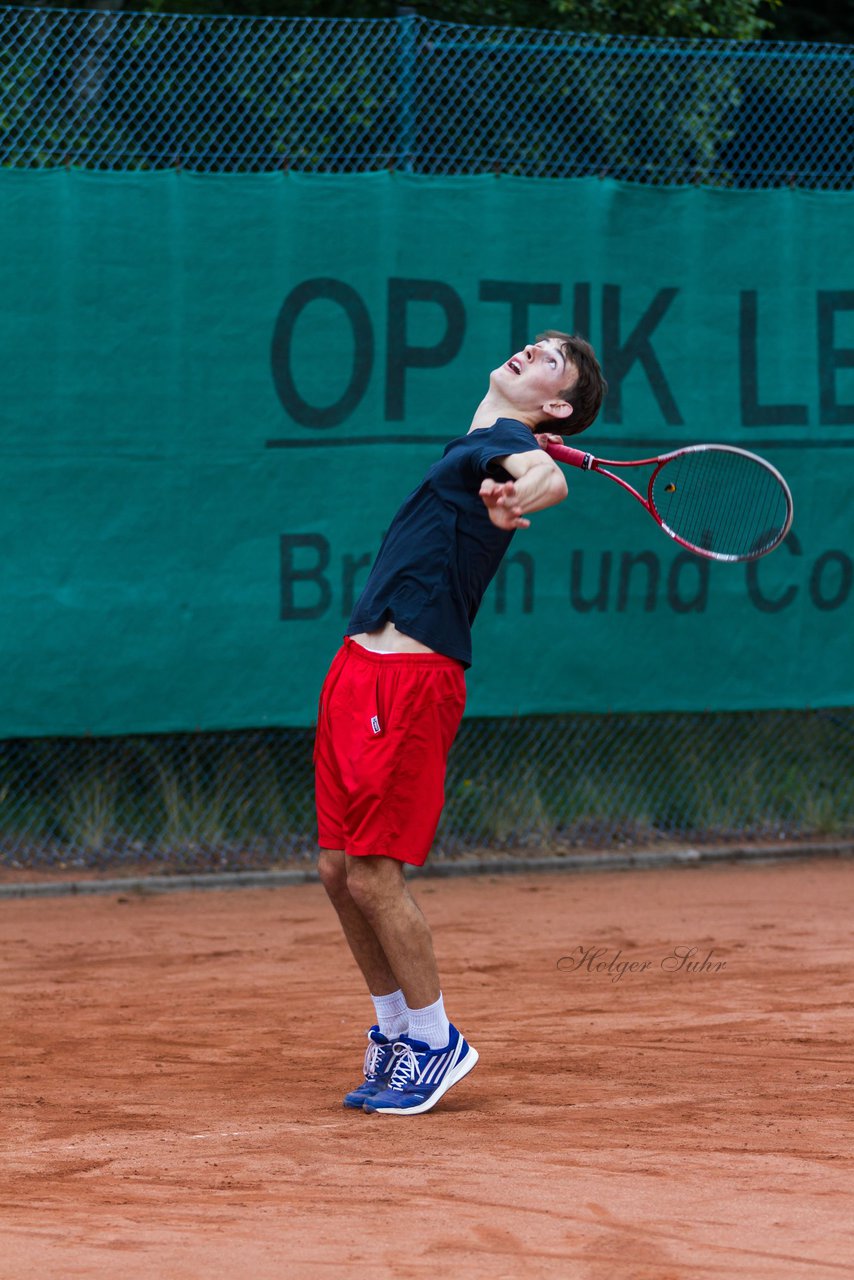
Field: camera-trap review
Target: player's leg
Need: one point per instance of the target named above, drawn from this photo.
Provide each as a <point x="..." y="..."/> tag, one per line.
<point x="433" y="1056"/>
<point x="389" y="1002"/>
<point x="361" y="938"/>
<point x="385" y="727"/>
<point x="343" y="690"/>
<point x="427" y="708"/>
<point x="382" y="900"/>
<point x="380" y="753"/>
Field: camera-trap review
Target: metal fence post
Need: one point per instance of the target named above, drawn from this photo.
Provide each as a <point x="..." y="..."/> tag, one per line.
<point x="407" y="19"/>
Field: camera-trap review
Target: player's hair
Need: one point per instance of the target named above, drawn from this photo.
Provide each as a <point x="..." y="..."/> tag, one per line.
<point x="589" y="391"/>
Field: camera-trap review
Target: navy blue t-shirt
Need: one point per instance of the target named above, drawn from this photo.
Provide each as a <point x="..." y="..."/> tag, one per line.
<point x="442" y="550"/>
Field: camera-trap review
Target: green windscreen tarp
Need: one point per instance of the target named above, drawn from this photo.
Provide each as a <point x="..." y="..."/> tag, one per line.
<point x="216" y="390"/>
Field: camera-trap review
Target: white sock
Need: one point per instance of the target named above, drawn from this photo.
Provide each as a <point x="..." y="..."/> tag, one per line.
<point x="392" y="1015"/>
<point x="430" y="1025"/>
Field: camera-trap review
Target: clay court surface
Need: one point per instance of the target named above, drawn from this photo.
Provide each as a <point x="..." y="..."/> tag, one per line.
<point x="173" y="1066"/>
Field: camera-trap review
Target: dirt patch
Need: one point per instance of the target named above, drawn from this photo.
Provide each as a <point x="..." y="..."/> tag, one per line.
<point x="173" y="1067"/>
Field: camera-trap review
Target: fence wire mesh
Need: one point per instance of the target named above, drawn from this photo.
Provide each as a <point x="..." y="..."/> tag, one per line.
<point x="238" y="801"/>
<point x="141" y="91"/>
<point x="110" y="90"/>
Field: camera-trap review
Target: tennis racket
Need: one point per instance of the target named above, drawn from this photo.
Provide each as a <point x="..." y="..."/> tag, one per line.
<point x="714" y="499"/>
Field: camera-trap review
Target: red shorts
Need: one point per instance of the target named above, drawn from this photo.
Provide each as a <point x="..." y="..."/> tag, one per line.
<point x="384" y="729"/>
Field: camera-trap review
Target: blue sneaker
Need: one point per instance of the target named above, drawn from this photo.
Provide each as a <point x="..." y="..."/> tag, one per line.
<point x="379" y="1060"/>
<point x="420" y="1075"/>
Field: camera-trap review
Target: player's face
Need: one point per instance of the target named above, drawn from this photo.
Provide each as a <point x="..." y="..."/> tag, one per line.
<point x="535" y="375"/>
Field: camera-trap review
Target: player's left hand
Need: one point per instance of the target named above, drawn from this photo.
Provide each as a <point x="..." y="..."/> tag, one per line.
<point x="546" y="437"/>
<point x="502" y="503"/>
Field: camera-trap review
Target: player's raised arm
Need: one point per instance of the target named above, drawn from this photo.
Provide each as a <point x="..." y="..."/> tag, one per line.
<point x="537" y="483"/>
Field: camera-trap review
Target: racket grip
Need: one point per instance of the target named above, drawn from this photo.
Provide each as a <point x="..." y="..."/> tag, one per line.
<point x="563" y="453"/>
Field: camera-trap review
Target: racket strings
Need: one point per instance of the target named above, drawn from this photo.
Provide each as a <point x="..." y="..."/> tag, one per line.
<point x="727" y="503"/>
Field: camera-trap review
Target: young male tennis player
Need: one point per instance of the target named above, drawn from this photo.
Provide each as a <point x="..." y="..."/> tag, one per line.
<point x="393" y="699"/>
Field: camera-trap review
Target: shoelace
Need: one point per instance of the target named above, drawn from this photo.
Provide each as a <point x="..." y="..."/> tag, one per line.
<point x="405" y="1068"/>
<point x="372" y="1059"/>
<point x="374" y="1062"/>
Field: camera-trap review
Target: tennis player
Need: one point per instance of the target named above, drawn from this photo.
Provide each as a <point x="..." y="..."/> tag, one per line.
<point x="394" y="695"/>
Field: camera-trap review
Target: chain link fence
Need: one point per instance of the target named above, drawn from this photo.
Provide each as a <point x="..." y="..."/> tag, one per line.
<point x="109" y="90"/>
<point x="140" y="91"/>
<point x="239" y="801"/>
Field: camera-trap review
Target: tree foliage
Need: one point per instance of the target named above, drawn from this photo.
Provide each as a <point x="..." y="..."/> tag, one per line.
<point x="824" y="20"/>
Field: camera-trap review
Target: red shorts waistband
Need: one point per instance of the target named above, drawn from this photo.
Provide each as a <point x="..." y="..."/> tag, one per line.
<point x="407" y="659"/>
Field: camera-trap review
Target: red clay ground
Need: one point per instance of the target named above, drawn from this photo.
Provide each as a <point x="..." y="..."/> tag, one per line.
<point x="173" y="1067"/>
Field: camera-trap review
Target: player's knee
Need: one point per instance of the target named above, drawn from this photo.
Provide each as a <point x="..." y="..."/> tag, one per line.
<point x="333" y="873"/>
<point x="374" y="883"/>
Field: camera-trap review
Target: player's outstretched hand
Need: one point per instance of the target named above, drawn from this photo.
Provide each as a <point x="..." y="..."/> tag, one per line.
<point x="501" y="502"/>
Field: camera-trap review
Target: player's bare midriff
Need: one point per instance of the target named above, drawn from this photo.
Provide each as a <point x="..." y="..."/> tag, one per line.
<point x="389" y="640"/>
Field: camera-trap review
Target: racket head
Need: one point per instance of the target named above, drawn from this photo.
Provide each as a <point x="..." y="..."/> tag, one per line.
<point x="721" y="501"/>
